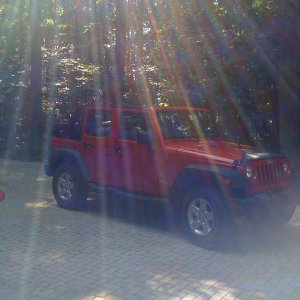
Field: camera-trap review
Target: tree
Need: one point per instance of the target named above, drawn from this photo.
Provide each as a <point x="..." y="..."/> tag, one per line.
<point x="288" y="67"/>
<point x="33" y="105"/>
<point x="222" y="54"/>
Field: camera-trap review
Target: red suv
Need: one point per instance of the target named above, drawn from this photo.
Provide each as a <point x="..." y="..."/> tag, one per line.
<point x="174" y="154"/>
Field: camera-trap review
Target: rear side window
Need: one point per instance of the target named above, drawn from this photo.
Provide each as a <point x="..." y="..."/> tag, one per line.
<point x="99" y="123"/>
<point x="67" y="130"/>
<point x="131" y="124"/>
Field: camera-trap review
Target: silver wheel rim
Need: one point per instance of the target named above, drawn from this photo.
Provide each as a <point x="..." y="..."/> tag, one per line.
<point x="201" y="217"/>
<point x="65" y="186"/>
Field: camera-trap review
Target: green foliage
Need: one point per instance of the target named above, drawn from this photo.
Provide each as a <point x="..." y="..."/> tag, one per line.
<point x="49" y="23"/>
<point x="219" y="53"/>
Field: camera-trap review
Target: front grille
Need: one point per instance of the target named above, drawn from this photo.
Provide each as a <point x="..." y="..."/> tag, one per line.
<point x="269" y="174"/>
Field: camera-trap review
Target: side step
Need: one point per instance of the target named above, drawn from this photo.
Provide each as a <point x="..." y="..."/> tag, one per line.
<point x="124" y="193"/>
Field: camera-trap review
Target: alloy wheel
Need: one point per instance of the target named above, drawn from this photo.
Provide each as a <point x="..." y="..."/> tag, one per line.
<point x="201" y="217"/>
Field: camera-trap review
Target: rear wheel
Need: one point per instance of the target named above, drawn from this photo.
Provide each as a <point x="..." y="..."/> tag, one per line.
<point x="69" y="187"/>
<point x="203" y="217"/>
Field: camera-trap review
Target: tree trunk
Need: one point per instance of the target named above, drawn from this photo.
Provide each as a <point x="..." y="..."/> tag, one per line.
<point x="120" y="50"/>
<point x="34" y="105"/>
<point x="77" y="30"/>
<point x="289" y="82"/>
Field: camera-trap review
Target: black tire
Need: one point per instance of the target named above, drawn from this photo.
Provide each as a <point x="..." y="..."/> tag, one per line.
<point x="69" y="187"/>
<point x="204" y="218"/>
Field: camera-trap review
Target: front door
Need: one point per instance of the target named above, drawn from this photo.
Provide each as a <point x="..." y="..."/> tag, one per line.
<point x="134" y="164"/>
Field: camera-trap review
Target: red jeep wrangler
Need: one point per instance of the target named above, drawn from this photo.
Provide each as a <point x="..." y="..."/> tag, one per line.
<point x="173" y="154"/>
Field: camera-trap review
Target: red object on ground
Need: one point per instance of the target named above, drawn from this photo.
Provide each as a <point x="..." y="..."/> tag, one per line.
<point x="2" y="196"/>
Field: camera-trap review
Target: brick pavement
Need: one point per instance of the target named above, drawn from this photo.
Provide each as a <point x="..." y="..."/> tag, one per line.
<point x="129" y="251"/>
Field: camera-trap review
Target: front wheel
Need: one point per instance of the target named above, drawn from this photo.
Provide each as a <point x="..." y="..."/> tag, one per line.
<point x="69" y="188"/>
<point x="203" y="218"/>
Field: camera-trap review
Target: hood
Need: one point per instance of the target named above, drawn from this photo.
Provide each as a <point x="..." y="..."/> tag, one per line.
<point x="218" y="151"/>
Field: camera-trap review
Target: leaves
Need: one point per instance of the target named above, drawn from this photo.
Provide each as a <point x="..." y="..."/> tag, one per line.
<point x="221" y="53"/>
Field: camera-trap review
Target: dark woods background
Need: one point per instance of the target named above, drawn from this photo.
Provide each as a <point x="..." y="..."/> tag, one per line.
<point x="239" y="58"/>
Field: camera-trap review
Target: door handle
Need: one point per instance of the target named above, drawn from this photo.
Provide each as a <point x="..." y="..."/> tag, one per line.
<point x="88" y="145"/>
<point x="118" y="149"/>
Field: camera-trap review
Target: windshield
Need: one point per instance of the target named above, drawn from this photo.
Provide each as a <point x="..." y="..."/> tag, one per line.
<point x="184" y="124"/>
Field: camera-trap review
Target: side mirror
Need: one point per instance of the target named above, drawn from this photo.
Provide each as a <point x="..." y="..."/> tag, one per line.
<point x="143" y="138"/>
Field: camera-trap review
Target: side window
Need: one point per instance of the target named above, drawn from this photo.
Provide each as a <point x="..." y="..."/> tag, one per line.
<point x="69" y="129"/>
<point x="131" y="124"/>
<point x="99" y="123"/>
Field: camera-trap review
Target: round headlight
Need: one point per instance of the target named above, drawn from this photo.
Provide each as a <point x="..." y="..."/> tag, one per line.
<point x="249" y="172"/>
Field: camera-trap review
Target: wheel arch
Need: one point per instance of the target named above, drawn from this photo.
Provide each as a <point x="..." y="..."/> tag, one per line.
<point x="73" y="157"/>
<point x="199" y="176"/>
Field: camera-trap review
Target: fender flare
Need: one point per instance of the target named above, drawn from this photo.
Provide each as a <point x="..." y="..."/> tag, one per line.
<point x="64" y="154"/>
<point x="225" y="180"/>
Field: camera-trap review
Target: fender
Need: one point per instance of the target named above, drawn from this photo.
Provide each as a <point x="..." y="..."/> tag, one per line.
<point x="65" y="154"/>
<point x="231" y="173"/>
<point x="227" y="180"/>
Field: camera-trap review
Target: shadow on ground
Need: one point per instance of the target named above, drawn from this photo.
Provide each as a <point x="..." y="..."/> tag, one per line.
<point x="153" y="214"/>
<point x="243" y="238"/>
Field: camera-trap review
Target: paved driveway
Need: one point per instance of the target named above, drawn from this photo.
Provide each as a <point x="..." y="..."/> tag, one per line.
<point x="128" y="250"/>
